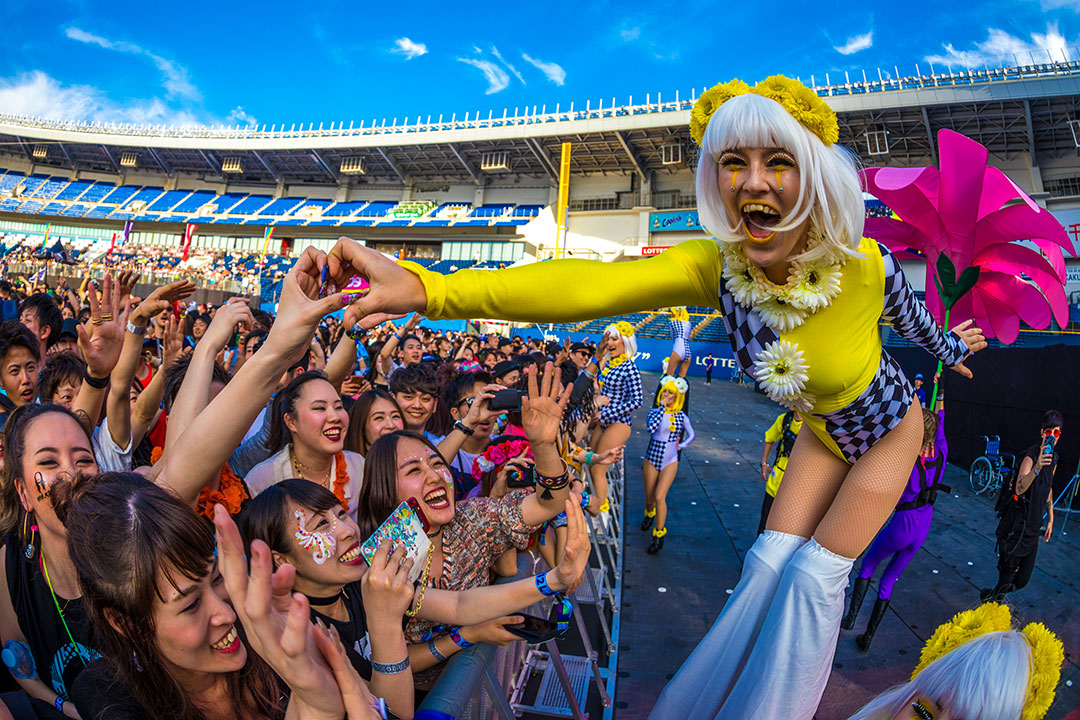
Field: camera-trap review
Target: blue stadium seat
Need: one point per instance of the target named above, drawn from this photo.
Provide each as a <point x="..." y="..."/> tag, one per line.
<point x="282" y="206"/>
<point x="9" y="205"/>
<point x="53" y="208"/>
<point x="32" y="183"/>
<point x="527" y="210"/>
<point x="491" y="210"/>
<point x="74" y="189"/>
<point x="51" y="188"/>
<point x="31" y="206"/>
<point x="173" y="218"/>
<point x="250" y="205"/>
<point x="10" y="180"/>
<point x="323" y="222"/>
<point x="75" y="210"/>
<point x="342" y="209"/>
<point x="472" y="223"/>
<point x="97" y="192"/>
<point x="147" y="195"/>
<point x="120" y="195"/>
<point x="225" y="203"/>
<point x="512" y="223"/>
<point x="194" y="201"/>
<point x="377" y="208"/>
<point x="168" y="201"/>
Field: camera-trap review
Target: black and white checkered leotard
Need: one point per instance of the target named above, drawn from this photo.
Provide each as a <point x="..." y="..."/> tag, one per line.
<point x="854" y="428"/>
<point x="680" y="338"/>
<point x="622" y="384"/>
<point x="666" y="442"/>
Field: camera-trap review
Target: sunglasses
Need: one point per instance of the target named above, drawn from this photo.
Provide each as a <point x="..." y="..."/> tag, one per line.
<point x="1052" y="432"/>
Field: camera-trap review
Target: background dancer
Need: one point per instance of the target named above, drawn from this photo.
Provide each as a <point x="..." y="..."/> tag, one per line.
<point x="908" y="528"/>
<point x="679" y="326"/>
<point x="671" y="434"/>
<point x="783" y="431"/>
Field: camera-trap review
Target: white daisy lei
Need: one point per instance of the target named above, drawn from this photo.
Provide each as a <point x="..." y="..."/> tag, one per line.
<point x="811" y="286"/>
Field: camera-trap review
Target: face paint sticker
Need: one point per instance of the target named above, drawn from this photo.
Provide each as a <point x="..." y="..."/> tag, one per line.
<point x="321" y="545"/>
<point x="42" y="488"/>
<point x="447" y="477"/>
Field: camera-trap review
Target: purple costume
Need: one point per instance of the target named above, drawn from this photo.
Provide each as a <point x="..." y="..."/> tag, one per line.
<point x="910" y="524"/>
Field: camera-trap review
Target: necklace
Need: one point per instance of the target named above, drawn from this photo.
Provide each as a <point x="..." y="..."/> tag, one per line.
<point x="423" y="585"/>
<point x="56" y="602"/>
<point x="325" y="600"/>
<point x="302" y="469"/>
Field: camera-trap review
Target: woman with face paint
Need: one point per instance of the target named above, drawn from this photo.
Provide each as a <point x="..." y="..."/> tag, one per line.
<point x="304" y="526"/>
<point x="307" y="436"/>
<point x="802" y="293"/>
<point x="41" y="603"/>
<point x="469" y="537"/>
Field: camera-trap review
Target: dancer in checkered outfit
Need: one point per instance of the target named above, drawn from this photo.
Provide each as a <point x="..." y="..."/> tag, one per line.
<point x="679" y="325"/>
<point x="671" y="434"/>
<point x="802" y="292"/>
<point x="620" y="395"/>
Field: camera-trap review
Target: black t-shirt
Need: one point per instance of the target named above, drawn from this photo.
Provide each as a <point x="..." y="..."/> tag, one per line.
<point x="1021" y="521"/>
<point x="353" y="631"/>
<point x="58" y="661"/>
<point x="99" y="695"/>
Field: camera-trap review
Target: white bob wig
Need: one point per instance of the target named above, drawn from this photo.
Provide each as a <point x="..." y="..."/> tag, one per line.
<point x="829" y="194"/>
<point x="985" y="678"/>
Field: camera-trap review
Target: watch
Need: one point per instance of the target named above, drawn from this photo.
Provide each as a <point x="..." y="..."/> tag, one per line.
<point x="460" y="425"/>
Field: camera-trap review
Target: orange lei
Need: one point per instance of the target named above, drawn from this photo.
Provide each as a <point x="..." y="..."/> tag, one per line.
<point x="341" y="478"/>
<point x="231" y="493"/>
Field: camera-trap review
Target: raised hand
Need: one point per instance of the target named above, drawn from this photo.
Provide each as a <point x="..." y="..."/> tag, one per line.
<point x="608" y="456"/>
<point x="542" y="410"/>
<point x="300" y="309"/>
<point x="127" y="280"/>
<point x="393" y="288"/>
<point x="974" y="339"/>
<point x="278" y="624"/>
<point x="101" y="340"/>
<point x="570" y="571"/>
<point x="234" y="313"/>
<point x="173" y="343"/>
<point x="161" y="299"/>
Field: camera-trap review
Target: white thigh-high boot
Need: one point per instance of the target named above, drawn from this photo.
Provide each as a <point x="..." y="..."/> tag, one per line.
<point x="704" y="680"/>
<point x="786" y="672"/>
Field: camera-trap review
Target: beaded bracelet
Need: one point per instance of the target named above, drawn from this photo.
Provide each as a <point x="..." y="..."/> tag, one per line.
<point x="585" y="499"/>
<point x="553" y="483"/>
<point x="434" y="650"/>
<point x="391" y="668"/>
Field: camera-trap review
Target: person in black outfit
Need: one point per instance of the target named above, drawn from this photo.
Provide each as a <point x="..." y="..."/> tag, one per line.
<point x="710" y="363"/>
<point x="1024" y="501"/>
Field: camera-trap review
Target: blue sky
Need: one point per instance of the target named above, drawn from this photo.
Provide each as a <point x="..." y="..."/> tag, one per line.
<point x="275" y="62"/>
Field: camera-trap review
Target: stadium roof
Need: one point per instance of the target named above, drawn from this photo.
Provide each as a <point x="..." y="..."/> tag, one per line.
<point x="1012" y="111"/>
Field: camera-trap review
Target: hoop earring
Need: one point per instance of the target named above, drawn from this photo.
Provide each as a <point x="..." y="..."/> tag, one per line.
<point x="30" y="549"/>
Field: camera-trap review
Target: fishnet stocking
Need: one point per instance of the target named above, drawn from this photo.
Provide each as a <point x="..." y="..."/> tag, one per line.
<point x="844" y="506"/>
<point x="613" y="435"/>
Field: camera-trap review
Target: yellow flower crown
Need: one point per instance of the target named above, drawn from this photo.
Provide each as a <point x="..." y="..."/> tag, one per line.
<point x="1047" y="653"/>
<point x="680" y="313"/>
<point x="801" y="102"/>
<point x="623" y="328"/>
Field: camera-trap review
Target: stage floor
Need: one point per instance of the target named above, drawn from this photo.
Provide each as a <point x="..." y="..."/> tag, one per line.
<point x="671" y="600"/>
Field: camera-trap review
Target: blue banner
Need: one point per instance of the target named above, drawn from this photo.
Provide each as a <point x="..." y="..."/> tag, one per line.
<point x="672" y="221"/>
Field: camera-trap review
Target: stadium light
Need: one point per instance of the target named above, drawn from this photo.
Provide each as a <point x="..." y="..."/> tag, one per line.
<point x="41" y="152"/>
<point x="129" y="159"/>
<point x="232" y="165"/>
<point x="353" y="166"/>
<point x="495" y="161"/>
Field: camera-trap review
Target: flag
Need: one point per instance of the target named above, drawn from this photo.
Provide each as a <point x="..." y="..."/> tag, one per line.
<point x="266" y="244"/>
<point x="127" y="231"/>
<point x="45" y="240"/>
<point x="112" y="244"/>
<point x="57" y="252"/>
<point x="189" y="231"/>
<point x="39" y="276"/>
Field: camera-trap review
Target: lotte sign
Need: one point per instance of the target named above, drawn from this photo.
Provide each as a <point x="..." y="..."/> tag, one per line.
<point x="653" y="250"/>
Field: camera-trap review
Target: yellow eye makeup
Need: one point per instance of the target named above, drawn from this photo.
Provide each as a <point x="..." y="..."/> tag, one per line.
<point x="921" y="713"/>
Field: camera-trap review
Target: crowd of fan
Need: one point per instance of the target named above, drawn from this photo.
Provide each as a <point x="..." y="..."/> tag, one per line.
<point x="150" y="444"/>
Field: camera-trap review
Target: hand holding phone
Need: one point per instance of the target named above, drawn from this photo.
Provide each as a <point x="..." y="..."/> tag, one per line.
<point x="407" y="527"/>
<point x="534" y="630"/>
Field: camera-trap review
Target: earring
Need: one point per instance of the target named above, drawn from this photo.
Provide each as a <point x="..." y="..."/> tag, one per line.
<point x="30" y="549"/>
<point x="732" y="188"/>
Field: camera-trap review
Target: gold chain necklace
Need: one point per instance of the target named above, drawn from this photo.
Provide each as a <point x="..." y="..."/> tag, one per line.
<point x="300" y="468"/>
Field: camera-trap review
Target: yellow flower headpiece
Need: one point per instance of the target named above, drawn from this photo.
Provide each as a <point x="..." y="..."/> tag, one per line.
<point x="624" y="328"/>
<point x="1047" y="653"/>
<point x="680" y="313"/>
<point x="801" y="102"/>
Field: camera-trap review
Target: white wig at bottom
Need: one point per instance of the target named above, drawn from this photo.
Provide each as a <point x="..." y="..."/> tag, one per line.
<point x="830" y="194"/>
<point x="629" y="340"/>
<point x="985" y="678"/>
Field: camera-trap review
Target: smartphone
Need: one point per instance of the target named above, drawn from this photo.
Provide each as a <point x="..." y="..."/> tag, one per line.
<point x="506" y="400"/>
<point x="520" y="477"/>
<point x="534" y="630"/>
<point x="405" y="526"/>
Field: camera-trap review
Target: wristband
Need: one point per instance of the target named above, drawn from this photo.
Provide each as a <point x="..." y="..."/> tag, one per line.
<point x="460" y="425"/>
<point x="356" y="333"/>
<point x="59" y="703"/>
<point x="585" y="499"/>
<point x="552" y="483"/>
<point x="391" y="668"/>
<point x="435" y="650"/>
<point x="97" y="383"/>
<point x="590" y="458"/>
<point x="542" y="585"/>
<point x="460" y="641"/>
<point x="135" y="329"/>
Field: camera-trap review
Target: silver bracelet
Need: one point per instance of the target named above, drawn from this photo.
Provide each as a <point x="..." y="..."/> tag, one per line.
<point x="434" y="650"/>
<point x="391" y="668"/>
<point x="135" y="329"/>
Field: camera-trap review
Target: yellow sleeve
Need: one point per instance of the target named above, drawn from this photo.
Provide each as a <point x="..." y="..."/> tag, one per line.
<point x="773" y="434"/>
<point x="571" y="290"/>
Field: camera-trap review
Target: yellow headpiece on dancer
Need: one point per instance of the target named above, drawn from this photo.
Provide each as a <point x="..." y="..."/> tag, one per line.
<point x="680" y="313"/>
<point x="1046" y="651"/>
<point x="801" y="102"/>
<point x="624" y="330"/>
<point x="678" y="387"/>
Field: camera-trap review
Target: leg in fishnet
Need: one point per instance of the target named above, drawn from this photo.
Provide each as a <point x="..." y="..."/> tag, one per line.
<point x="649" y="476"/>
<point x="612" y="436"/>
<point x="813" y="477"/>
<point x="798" y="638"/>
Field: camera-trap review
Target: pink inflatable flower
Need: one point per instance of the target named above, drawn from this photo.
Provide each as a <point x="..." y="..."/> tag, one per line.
<point x="967" y="219"/>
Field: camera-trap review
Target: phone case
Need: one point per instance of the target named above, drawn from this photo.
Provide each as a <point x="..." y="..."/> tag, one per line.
<point x="403" y="527"/>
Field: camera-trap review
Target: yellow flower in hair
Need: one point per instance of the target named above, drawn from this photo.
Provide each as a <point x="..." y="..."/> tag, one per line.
<point x="967" y="625"/>
<point x="803" y="104"/>
<point x="625" y="329"/>
<point x="1047" y="655"/>
<point x="708" y="102"/>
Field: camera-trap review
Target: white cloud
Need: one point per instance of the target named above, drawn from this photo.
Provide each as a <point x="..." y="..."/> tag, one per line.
<point x="496" y="77"/>
<point x="1058" y="4"/>
<point x="855" y="44"/>
<point x="511" y="68"/>
<point x="408" y="48"/>
<point x="36" y="94"/>
<point x="630" y="34"/>
<point x="554" y="72"/>
<point x="240" y="116"/>
<point x="1000" y="46"/>
<point x="175" y="78"/>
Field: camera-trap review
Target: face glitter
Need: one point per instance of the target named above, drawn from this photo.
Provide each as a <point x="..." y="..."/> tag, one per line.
<point x="321" y="544"/>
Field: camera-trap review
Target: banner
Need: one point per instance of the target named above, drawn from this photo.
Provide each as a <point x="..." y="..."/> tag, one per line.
<point x="45" y="241"/>
<point x="674" y="221"/>
<point x="127" y="231"/>
<point x="189" y="231"/>
<point x="266" y="244"/>
<point x="112" y="244"/>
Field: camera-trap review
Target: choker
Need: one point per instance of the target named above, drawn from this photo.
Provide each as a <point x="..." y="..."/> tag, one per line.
<point x="324" y="601"/>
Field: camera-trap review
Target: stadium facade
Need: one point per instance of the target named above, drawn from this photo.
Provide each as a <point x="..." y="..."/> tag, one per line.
<point x="481" y="188"/>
